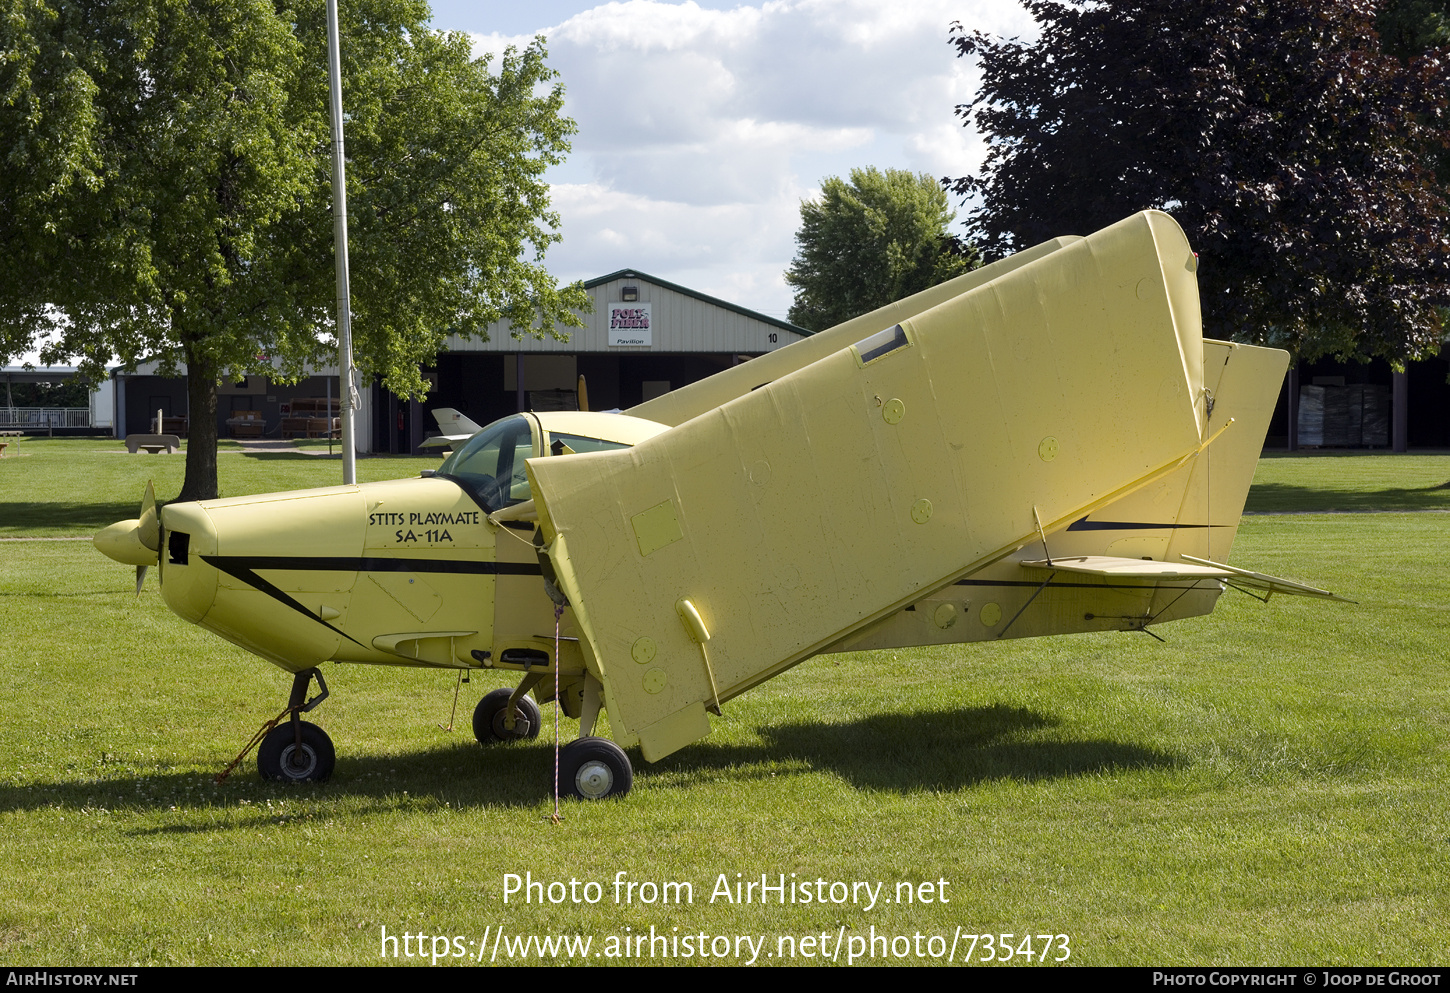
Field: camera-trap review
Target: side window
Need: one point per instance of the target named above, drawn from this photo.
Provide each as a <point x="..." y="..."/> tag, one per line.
<point x="518" y="477"/>
<point x="579" y="444"/>
<point x="490" y="466"/>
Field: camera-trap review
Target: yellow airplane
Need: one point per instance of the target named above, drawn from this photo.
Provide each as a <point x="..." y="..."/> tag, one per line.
<point x="1043" y="446"/>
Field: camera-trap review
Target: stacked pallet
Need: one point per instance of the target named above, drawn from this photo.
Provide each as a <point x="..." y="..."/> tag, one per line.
<point x="313" y="417"/>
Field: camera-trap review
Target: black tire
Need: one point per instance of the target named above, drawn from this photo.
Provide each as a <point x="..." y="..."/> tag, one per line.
<point x="488" y="726"/>
<point x="280" y="761"/>
<point x="593" y="769"/>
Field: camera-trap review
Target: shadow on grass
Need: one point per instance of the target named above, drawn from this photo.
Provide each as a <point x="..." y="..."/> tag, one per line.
<point x="935" y="750"/>
<point x="938" y="750"/>
<point x="464" y="774"/>
<point x="19" y="515"/>
<point x="315" y="455"/>
<point x="1272" y="497"/>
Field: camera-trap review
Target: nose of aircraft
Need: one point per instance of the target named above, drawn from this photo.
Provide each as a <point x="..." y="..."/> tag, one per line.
<point x="137" y="541"/>
<point x="188" y="584"/>
<point x="123" y="542"/>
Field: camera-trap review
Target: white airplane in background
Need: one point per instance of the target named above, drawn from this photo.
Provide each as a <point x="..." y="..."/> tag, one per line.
<point x="455" y="427"/>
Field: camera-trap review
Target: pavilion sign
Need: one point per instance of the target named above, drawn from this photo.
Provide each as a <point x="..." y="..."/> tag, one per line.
<point x="629" y="324"/>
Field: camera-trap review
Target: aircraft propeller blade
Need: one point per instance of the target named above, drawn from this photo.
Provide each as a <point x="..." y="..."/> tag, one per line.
<point x="583" y="394"/>
<point x="149" y="530"/>
<point x="135" y="542"/>
<point x="140" y="577"/>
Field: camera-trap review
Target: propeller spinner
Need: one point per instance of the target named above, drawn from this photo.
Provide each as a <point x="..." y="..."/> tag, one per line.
<point x="135" y="542"/>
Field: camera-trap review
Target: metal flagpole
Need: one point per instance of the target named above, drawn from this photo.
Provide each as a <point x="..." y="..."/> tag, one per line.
<point x="347" y="390"/>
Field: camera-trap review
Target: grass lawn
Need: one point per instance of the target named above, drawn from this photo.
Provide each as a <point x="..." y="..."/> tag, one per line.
<point x="1269" y="786"/>
<point x="1350" y="482"/>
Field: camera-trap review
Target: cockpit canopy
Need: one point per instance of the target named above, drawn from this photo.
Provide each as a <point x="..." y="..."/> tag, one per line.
<point x="490" y="465"/>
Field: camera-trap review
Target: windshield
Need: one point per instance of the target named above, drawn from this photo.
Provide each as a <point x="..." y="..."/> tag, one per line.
<point x="490" y="465"/>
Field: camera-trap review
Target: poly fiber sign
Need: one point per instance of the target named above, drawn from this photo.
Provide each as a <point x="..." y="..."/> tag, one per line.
<point x="629" y="324"/>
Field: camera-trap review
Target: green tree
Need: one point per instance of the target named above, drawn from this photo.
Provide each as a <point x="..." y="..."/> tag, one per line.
<point x="1289" y="146"/>
<point x="1409" y="28"/>
<point x="47" y="123"/>
<point x="870" y="242"/>
<point x="173" y="190"/>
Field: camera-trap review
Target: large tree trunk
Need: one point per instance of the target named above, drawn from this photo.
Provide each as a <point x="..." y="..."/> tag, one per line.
<point x="201" y="373"/>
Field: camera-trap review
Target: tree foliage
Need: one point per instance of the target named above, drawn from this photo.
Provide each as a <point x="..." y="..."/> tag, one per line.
<point x="72" y="392"/>
<point x="1409" y="28"/>
<point x="167" y="189"/>
<point x="1289" y="146"/>
<point x="869" y="242"/>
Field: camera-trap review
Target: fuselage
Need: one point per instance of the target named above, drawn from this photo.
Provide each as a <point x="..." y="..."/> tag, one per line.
<point x="404" y="572"/>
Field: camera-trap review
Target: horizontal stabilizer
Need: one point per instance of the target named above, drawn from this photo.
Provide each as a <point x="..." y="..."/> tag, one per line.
<point x="1267" y="583"/>
<point x="1116" y="567"/>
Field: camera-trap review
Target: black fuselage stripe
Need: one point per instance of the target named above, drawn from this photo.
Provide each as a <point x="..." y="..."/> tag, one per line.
<point x="1087" y="525"/>
<point x="243" y="567"/>
<point x="233" y="566"/>
<point x="299" y="563"/>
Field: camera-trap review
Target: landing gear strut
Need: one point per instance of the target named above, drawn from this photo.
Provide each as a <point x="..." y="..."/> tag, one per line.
<point x="508" y="715"/>
<point x="298" y="751"/>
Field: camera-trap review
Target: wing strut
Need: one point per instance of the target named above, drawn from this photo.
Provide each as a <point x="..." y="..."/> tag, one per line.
<point x="1269" y="584"/>
<point x="1039" y="589"/>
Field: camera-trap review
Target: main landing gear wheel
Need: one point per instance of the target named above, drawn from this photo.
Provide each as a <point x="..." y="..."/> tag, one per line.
<point x="279" y="759"/>
<point x="594" y="768"/>
<point x="488" y="718"/>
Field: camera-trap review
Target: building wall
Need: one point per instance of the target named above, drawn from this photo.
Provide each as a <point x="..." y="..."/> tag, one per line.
<point x="143" y="396"/>
<point x="1428" y="396"/>
<point x="690" y="337"/>
<point x="139" y="397"/>
<point x="680" y="323"/>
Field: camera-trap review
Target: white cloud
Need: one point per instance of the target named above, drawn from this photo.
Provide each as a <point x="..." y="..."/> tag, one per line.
<point x="701" y="130"/>
<point x="606" y="229"/>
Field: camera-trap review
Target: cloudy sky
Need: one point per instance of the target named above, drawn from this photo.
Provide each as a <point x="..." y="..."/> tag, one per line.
<point x="703" y="124"/>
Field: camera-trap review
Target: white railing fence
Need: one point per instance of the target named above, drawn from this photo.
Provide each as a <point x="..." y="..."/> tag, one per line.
<point x="30" y="418"/>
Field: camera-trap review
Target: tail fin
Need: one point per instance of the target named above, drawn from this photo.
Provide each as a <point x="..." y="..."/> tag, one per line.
<point x="451" y="421"/>
<point x="1241" y="382"/>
